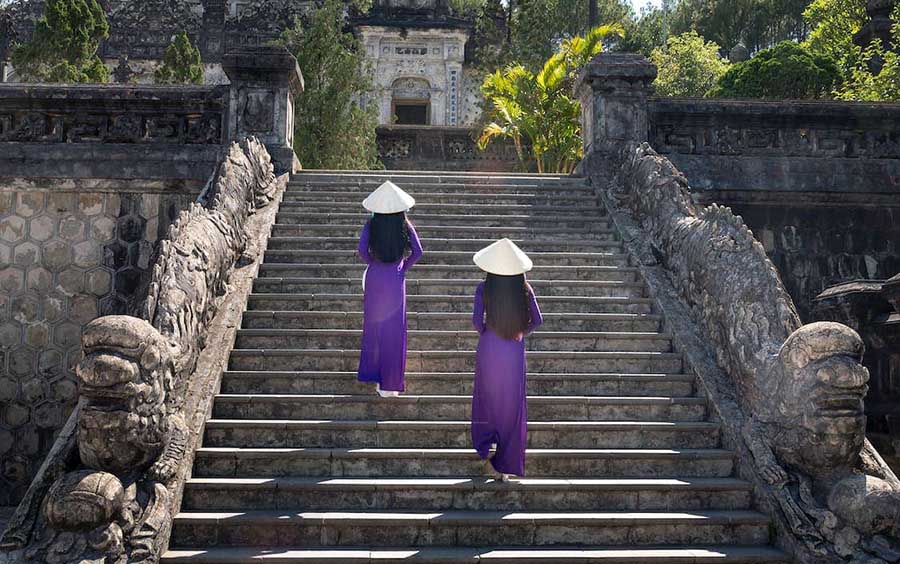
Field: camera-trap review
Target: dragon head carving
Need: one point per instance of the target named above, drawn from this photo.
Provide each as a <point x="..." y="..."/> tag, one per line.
<point x="126" y="379"/>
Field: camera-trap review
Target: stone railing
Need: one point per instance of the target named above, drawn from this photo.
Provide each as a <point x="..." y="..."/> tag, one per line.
<point x="111" y="131"/>
<point x="728" y="145"/>
<point x="789" y="396"/>
<point x="405" y="147"/>
<point x="123" y="131"/>
<point x="112" y="483"/>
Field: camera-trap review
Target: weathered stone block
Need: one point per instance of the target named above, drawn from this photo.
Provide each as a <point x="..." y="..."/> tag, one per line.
<point x="37" y="335"/>
<point x="25" y="308"/>
<point x="71" y="281"/>
<point x="103" y="229"/>
<point x="98" y="281"/>
<point x="39" y="279"/>
<point x="12" y="228"/>
<point x="57" y="255"/>
<point x="16" y="415"/>
<point x="41" y="228"/>
<point x="71" y="228"/>
<point x="26" y="254"/>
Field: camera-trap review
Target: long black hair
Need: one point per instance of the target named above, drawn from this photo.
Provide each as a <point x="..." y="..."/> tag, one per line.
<point x="389" y="236"/>
<point x="506" y="302"/>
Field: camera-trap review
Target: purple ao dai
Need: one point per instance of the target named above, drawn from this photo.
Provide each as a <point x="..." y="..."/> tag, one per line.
<point x="382" y="358"/>
<point x="499" y="413"/>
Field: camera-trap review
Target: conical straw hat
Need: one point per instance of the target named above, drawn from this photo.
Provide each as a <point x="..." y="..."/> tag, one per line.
<point x="503" y="258"/>
<point x="388" y="198"/>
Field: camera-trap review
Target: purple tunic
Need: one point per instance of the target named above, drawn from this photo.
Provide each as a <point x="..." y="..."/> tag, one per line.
<point x="382" y="358"/>
<point x="499" y="413"/>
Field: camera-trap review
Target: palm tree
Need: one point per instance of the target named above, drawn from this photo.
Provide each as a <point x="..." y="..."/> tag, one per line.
<point x="536" y="111"/>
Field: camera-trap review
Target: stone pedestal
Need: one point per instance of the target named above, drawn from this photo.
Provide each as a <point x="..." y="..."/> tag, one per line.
<point x="613" y="89"/>
<point x="264" y="82"/>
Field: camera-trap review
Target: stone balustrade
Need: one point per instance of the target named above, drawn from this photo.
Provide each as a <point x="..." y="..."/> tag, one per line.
<point x="91" y="178"/>
<point x="406" y="147"/>
<point x="789" y="395"/>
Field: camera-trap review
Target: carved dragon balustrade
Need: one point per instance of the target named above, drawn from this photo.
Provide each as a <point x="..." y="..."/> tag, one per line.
<point x="800" y="388"/>
<point x="106" y="494"/>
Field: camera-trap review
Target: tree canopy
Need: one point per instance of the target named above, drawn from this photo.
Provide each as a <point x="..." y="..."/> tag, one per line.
<point x="786" y="71"/>
<point x="64" y="45"/>
<point x="331" y="128"/>
<point x="688" y="66"/>
<point x="181" y="63"/>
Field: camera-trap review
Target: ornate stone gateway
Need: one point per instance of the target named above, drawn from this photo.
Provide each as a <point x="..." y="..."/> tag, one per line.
<point x="417" y="54"/>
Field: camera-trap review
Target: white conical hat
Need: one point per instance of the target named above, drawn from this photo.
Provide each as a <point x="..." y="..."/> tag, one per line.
<point x="503" y="258"/>
<point x="388" y="198"/>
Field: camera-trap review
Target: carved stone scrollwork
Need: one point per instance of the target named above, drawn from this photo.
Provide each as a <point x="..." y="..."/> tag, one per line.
<point x="51" y="127"/>
<point x="815" y="142"/>
<point x="800" y="387"/>
<point x="111" y="498"/>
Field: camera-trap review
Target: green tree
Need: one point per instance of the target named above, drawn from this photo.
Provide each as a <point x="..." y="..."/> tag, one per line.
<point x="833" y="23"/>
<point x="786" y="71"/>
<point x="758" y="24"/>
<point x="876" y="75"/>
<point x="64" y="45"/>
<point x="645" y="33"/>
<point x="181" y="63"/>
<point x="688" y="66"/>
<point x="331" y="129"/>
<point x="536" y="110"/>
<point x="540" y="26"/>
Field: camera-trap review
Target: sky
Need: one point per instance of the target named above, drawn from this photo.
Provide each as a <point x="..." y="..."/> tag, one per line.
<point x="638" y="4"/>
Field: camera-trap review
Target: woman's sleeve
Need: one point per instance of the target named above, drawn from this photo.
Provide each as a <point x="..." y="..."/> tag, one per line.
<point x="363" y="249"/>
<point x="536" y="318"/>
<point x="415" y="248"/>
<point x="478" y="310"/>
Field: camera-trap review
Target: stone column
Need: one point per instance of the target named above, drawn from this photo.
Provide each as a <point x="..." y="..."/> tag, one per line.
<point x="613" y="89"/>
<point x="264" y="83"/>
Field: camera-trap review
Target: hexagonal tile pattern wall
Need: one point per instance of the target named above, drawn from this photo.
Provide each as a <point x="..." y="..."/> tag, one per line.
<point x="65" y="258"/>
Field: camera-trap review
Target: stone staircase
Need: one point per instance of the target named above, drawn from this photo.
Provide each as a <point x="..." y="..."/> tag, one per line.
<point x="300" y="463"/>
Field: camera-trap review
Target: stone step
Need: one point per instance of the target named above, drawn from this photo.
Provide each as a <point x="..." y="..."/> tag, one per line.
<point x="465" y="494"/>
<point x="446" y="271"/>
<point x="452" y="231"/>
<point x="417" y="188"/>
<point x="453" y="408"/>
<point x="693" y="554"/>
<point x="418" y="178"/>
<point x="432" y="182"/>
<point x="467" y="528"/>
<point x="427" y="220"/>
<point x="433" y="244"/>
<point x="452" y="257"/>
<point x="465" y="462"/>
<point x="457" y="383"/>
<point x="452" y="287"/>
<point x="333" y="433"/>
<point x="443" y="304"/>
<point x="463" y="209"/>
<point x="430" y="196"/>
<point x="448" y="321"/>
<point x="458" y="361"/>
<point x="435" y="340"/>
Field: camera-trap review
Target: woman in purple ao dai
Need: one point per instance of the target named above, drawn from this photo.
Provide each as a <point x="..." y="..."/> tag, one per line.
<point x="389" y="246"/>
<point x="505" y="312"/>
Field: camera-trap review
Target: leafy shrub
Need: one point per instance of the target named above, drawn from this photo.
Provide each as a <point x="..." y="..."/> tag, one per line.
<point x="786" y="71"/>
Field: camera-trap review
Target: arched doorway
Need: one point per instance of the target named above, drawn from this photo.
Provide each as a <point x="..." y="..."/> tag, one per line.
<point x="411" y="101"/>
